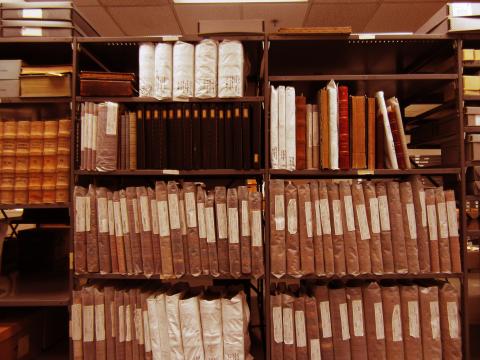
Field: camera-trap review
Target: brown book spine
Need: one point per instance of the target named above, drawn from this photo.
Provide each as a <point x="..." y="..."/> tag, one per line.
<point x="362" y="230"/>
<point x="359" y="150"/>
<point x="392" y="118"/>
<point x="100" y="342"/>
<point x="326" y="228"/>
<point x="132" y="132"/>
<point x="301" y="132"/>
<point x="183" y="226"/>
<point x="324" y="129"/>
<point x="134" y="230"/>
<point x="145" y="225"/>
<point x="126" y="231"/>
<point x="276" y="326"/>
<point x="193" y="239"/>
<point x="175" y="229"/>
<point x="103" y="232"/>
<point x="294" y="267"/>
<point x="432" y="230"/>
<point x="128" y="326"/>
<point x="313" y="329"/>
<point x="156" y="245"/>
<point x="300" y="328"/>
<point x="210" y="232"/>
<point x="305" y="220"/>
<point x="139" y="328"/>
<point x="443" y="241"/>
<point x="88" y="322"/>
<point x="317" y="230"/>
<point x="374" y="321"/>
<point x="410" y="227"/>
<point x="392" y="322"/>
<point x="356" y="322"/>
<point x="161" y="195"/>
<point x="380" y="146"/>
<point x="222" y="229"/>
<point x="109" y="294"/>
<point x="450" y="322"/>
<point x="385" y="228"/>
<point x="120" y="247"/>
<point x="398" y="232"/>
<point x="371" y="136"/>
<point x="245" y="230"/>
<point x="340" y="327"/>
<point x="133" y="324"/>
<point x="91" y="228"/>
<point x="202" y="230"/>
<point x="373" y="218"/>
<point x="233" y="233"/>
<point x="289" y="346"/>
<point x="418" y="194"/>
<point x="88" y="135"/>
<point x="111" y="232"/>
<point x="80" y="236"/>
<point x="83" y="136"/>
<point x="277" y="228"/>
<point x="430" y="322"/>
<point x="95" y="139"/>
<point x="309" y="136"/>
<point x="337" y="228"/>
<point x="453" y="231"/>
<point x="315" y="137"/>
<point x="256" y="229"/>
<point x="343" y="129"/>
<point x="146" y="327"/>
<point x="349" y="235"/>
<point x="77" y="325"/>
<point x="120" y="325"/>
<point x="411" y="321"/>
<point x="324" y="321"/>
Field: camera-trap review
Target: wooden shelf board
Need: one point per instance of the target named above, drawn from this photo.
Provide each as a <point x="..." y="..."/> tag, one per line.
<point x="361" y="37"/>
<point x="471" y="97"/>
<point x="36" y="40"/>
<point x="471" y="64"/>
<point x="360" y="173"/>
<point x="135" y="99"/>
<point x="345" y="77"/>
<point x="373" y="276"/>
<point x="34" y="206"/>
<point x="188" y="38"/>
<point x="208" y="172"/>
<point x="35" y="100"/>
<point x="157" y="277"/>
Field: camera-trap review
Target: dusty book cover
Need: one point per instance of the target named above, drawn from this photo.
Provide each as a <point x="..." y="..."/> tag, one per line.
<point x="105" y="263"/>
<point x="211" y="234"/>
<point x="453" y="231"/>
<point x="450" y="322"/>
<point x="356" y="322"/>
<point x="398" y="232"/>
<point x="410" y="309"/>
<point x="373" y="219"/>
<point x="385" y="229"/>
<point x="91" y="229"/>
<point x="134" y="230"/>
<point x="349" y="233"/>
<point x="111" y="232"/>
<point x="99" y="323"/>
<point x="392" y="322"/>
<point x="276" y="326"/>
<point x="443" y="240"/>
<point x="288" y="321"/>
<point x="300" y="328"/>
<point x="245" y="230"/>
<point x="163" y="221"/>
<point x="80" y="235"/>
<point x="233" y="233"/>
<point x="430" y="322"/>
<point x="340" y="326"/>
<point x="152" y="207"/>
<point x="175" y="229"/>
<point x="125" y="224"/>
<point x="432" y="230"/>
<point x="193" y="241"/>
<point x="293" y="238"/>
<point x="305" y="221"/>
<point x="202" y="229"/>
<point x="410" y="227"/>
<point x="418" y="193"/>
<point x="317" y="230"/>
<point x="374" y="321"/>
<point x="325" y="217"/>
<point x="277" y="228"/>
<point x="255" y="216"/>
<point x="337" y="228"/>
<point x="325" y="321"/>
<point x="222" y="230"/>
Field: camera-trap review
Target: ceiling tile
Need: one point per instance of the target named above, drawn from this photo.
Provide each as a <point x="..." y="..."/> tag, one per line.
<point x="101" y="20"/>
<point x="341" y="15"/>
<point x="148" y="20"/>
<point x="134" y="3"/>
<point x="86" y="2"/>
<point x="286" y="15"/>
<point x="401" y="16"/>
<point x="189" y="15"/>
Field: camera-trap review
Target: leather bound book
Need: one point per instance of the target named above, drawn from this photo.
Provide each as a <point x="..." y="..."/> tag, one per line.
<point x="322" y="100"/>
<point x="337" y="229"/>
<point x="161" y="196"/>
<point x="80" y="235"/>
<point x="145" y="225"/>
<point x="418" y="194"/>
<point x="443" y="241"/>
<point x="157" y="141"/>
<point x="373" y="217"/>
<point x="91" y="228"/>
<point x="359" y="127"/>
<point x="393" y="102"/>
<point x="221" y="137"/>
<point x="148" y="137"/>
<point x="103" y="231"/>
<point x="111" y="232"/>
<point x="88" y="323"/>
<point x="206" y="141"/>
<point x="202" y="230"/>
<point x="432" y="230"/>
<point x="178" y="136"/>
<point x="301" y="132"/>
<point x="246" y="137"/>
<point x="237" y="137"/>
<point x="245" y="231"/>
<point x="161" y="140"/>
<point x="398" y="232"/>
<point x="392" y="118"/>
<point x="255" y="209"/>
<point x="385" y="228"/>
<point x="300" y="329"/>
<point x="340" y="329"/>
<point x="356" y="322"/>
<point x="187" y="138"/>
<point x="213" y="136"/>
<point x="380" y="151"/>
<point x="152" y="205"/>
<point x="453" y="231"/>
<point x="348" y="221"/>
<point x="175" y="229"/>
<point x="317" y="230"/>
<point x="193" y="240"/>
<point x="128" y="326"/>
<point x="88" y="134"/>
<point x="132" y="142"/>
<point x="122" y="144"/>
<point x="122" y="262"/>
<point x="324" y="320"/>
<point x="197" y="137"/>
<point x="134" y="230"/>
<point x="257" y="131"/>
<point x="309" y="136"/>
<point x="119" y="307"/>
<point x="210" y="232"/>
<point x="409" y="227"/>
<point x="305" y="222"/>
<point x="171" y="164"/>
<point x="105" y="88"/>
<point x="315" y="137"/>
<point x="228" y="137"/>
<point x="233" y="233"/>
<point x="362" y="231"/>
<point x="109" y="294"/>
<point x="371" y="136"/>
<point x="77" y="326"/>
<point x="222" y="229"/>
<point x="100" y="342"/>
<point x="140" y="138"/>
<point x="343" y="129"/>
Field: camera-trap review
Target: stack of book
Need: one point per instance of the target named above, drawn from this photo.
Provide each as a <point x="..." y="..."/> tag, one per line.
<point x="35" y="161"/>
<point x="328" y="228"/>
<point x="207" y="136"/>
<point x="169" y="231"/>
<point x="472" y="113"/>
<point x="372" y="321"/>
<point x="112" y="321"/>
<point x="339" y="132"/>
<point x="46" y="81"/>
<point x="453" y="17"/>
<point x="471" y="85"/>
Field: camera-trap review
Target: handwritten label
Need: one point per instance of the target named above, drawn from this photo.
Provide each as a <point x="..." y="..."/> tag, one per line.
<point x="191" y="209"/>
<point x="210" y="224"/>
<point x="123" y="209"/>
<point x="452" y="218"/>
<point x="102" y="214"/>
<point x="153" y="210"/>
<point x="76" y="322"/>
<point x="222" y="221"/>
<point x="288" y="326"/>
<point x="118" y="218"/>
<point x="257" y="228"/>
<point x="146" y="332"/>
<point x="379" y="329"/>
<point x="384" y="214"/>
<point x="357" y="310"/>
<point x="432" y="222"/>
<point x="31" y="31"/>
<point x="88" y="323"/>
<point x="442" y="220"/>
<point x="100" y="322"/>
<point x="279" y="213"/>
<point x="202" y="231"/>
<point x="111" y="218"/>
<point x="412" y="225"/>
<point x="363" y="222"/>
<point x="374" y="215"/>
<point x="144" y="210"/>
<point x="245" y="220"/>
<point x="163" y="221"/>
<point x="88" y="211"/>
<point x="292" y="216"/>
<point x="300" y="331"/>
<point x="325" y="316"/>
<point x="32" y="13"/>
<point x="435" y="320"/>
<point x="233" y="237"/>
<point x="349" y="217"/>
<point x="423" y="207"/>
<point x="413" y="319"/>
<point x="396" y="323"/>
<point x="277" y="324"/>
<point x="173" y="211"/>
<point x="344" y="321"/>
<point x="138" y="326"/>
<point x="318" y="219"/>
<point x="79" y="214"/>
<point x="136" y="222"/>
<point x="308" y="218"/>
<point x="337" y="217"/>
<point x="315" y="353"/>
<point x="325" y="216"/>
<point x="452" y="313"/>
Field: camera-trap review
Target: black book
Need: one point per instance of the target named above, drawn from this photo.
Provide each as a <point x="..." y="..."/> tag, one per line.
<point x="212" y="126"/>
<point x="205" y="138"/>
<point x="178" y="137"/>
<point x="140" y="138"/>
<point x="246" y="134"/>
<point x="162" y="139"/>
<point x="256" y="115"/>
<point x="148" y="138"/>
<point x="197" y="137"/>
<point x="187" y="138"/>
<point x="237" y="135"/>
<point x="171" y="164"/>
<point x="155" y="140"/>
<point x="221" y="137"/>
<point x="228" y="138"/>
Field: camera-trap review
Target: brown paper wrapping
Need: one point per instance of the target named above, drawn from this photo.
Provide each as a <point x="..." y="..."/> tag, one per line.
<point x="256" y="228"/>
<point x="152" y="206"/>
<point x="421" y="219"/>
<point x="288" y="321"/>
<point x="293" y="237"/>
<point x="111" y="232"/>
<point x="348" y="222"/>
<point x="398" y="233"/>
<point x="300" y="329"/>
<point x="373" y="219"/>
<point x="313" y="329"/>
<point x="80" y="236"/>
<point x="374" y="322"/>
<point x="100" y="343"/>
<point x="326" y="228"/>
<point x="105" y="158"/>
<point x="120" y="325"/>
<point x="128" y="334"/>
<point x="135" y="344"/>
<point x="192" y="229"/>
<point x="183" y="226"/>
<point x="430" y="323"/>
<point x="141" y="330"/>
<point x="245" y="230"/>
<point x="133" y="237"/>
<point x="340" y="327"/>
<point x="362" y="230"/>
<point x="124" y="223"/>
<point x="145" y="225"/>
<point x="409" y="227"/>
<point x="161" y="196"/>
<point x="450" y="322"/>
<point x="103" y="231"/>
<point x="324" y="321"/>
<point x="88" y="323"/>
<point x="202" y="231"/>
<point x="393" y="322"/>
<point x="356" y="321"/>
<point x="337" y="229"/>
<point x="146" y="330"/>
<point x="432" y="230"/>
<point x="233" y="233"/>
<point x="276" y="327"/>
<point x="277" y="228"/>
<point x="175" y="229"/>
<point x="109" y="322"/>
<point x="317" y="230"/>
<point x="411" y="322"/>
<point x="211" y="235"/>
<point x="77" y="333"/>
<point x="92" y="241"/>
<point x="453" y="231"/>
<point x="443" y="241"/>
<point x="385" y="229"/>
<point x="222" y="229"/>
<point x="305" y="222"/>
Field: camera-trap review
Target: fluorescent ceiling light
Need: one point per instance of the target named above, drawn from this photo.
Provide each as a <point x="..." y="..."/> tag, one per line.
<point x="234" y="1"/>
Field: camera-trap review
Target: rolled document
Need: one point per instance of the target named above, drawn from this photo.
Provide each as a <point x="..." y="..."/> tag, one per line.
<point x="230" y="69"/>
<point x="282" y="147"/>
<point x="163" y="70"/>
<point x="183" y="69"/>
<point x="332" y="91"/>
<point x="274" y="127"/>
<point x="206" y="56"/>
<point x="290" y="128"/>
<point x="146" y="71"/>
<point x="389" y="144"/>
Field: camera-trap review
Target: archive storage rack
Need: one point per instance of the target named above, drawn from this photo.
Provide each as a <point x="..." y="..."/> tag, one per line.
<point x="417" y="69"/>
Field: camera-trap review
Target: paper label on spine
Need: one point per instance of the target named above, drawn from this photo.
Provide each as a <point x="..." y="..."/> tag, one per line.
<point x="396" y="324"/>
<point x="326" y="322"/>
<point x="349" y="217"/>
<point x="102" y="213"/>
<point x="222" y="221"/>
<point x="128" y="323"/>
<point x="233" y="237"/>
<point x="300" y="330"/>
<point x="173" y="211"/>
<point x="138" y="326"/>
<point x="162" y="213"/>
<point x="88" y="211"/>
<point x="279" y="212"/>
<point x="423" y="207"/>
<point x="76" y="322"/>
<point x="277" y="324"/>
<point x="413" y="319"/>
<point x="88" y="323"/>
<point x="118" y="218"/>
<point x="452" y="218"/>
<point x="79" y="214"/>
<point x="442" y="220"/>
<point x="111" y="218"/>
<point x="292" y="216"/>
<point x="123" y="209"/>
<point x="318" y="219"/>
<point x="379" y="329"/>
<point x="257" y="228"/>
<point x="357" y="310"/>
<point x="363" y="222"/>
<point x="121" y="323"/>
<point x="315" y="353"/>
<point x="344" y="321"/>
<point x="374" y="215"/>
<point x="100" y="322"/>
<point x="136" y="223"/>
<point x="308" y="218"/>
<point x="145" y="213"/>
<point x="435" y="320"/>
<point x="32" y="31"/>
<point x="288" y="326"/>
<point x="32" y="13"/>
<point x="146" y="332"/>
<point x="202" y="232"/>
<point x="325" y="215"/>
<point x="384" y="214"/>
<point x="452" y="312"/>
<point x="153" y="210"/>
<point x="432" y="222"/>
<point x="191" y="211"/>
<point x="337" y="218"/>
<point x="412" y="225"/>
<point x="245" y="220"/>
<point x="210" y="224"/>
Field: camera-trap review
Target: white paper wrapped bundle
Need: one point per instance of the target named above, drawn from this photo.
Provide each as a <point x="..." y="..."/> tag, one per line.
<point x="183" y="69"/>
<point x="211" y="314"/>
<point x="146" y="71"/>
<point x="230" y="69"/>
<point x="290" y="120"/>
<point x="206" y="56"/>
<point x="163" y="70"/>
<point x="191" y="328"/>
<point x="174" y="329"/>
